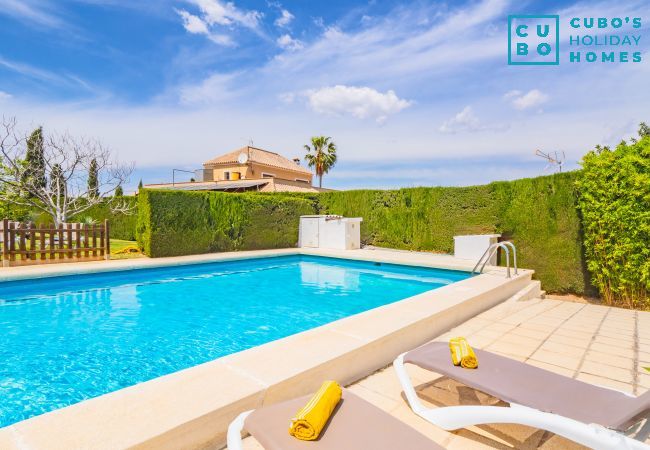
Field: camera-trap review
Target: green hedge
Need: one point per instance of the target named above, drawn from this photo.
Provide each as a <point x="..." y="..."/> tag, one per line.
<point x="174" y="223"/>
<point x="614" y="199"/>
<point x="539" y="214"/>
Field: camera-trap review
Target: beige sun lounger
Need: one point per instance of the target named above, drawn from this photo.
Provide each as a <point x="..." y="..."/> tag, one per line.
<point x="579" y="411"/>
<point x="355" y="425"/>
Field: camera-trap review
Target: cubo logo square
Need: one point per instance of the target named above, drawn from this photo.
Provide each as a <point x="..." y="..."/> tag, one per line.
<point x="534" y="40"/>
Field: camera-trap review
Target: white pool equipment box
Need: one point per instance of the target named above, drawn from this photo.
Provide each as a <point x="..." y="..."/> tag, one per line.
<point x="327" y="231"/>
<point x="474" y="245"/>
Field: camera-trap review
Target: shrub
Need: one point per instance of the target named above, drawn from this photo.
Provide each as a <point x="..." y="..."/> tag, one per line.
<point x="174" y="223"/>
<point x="122" y="225"/>
<point x="614" y="199"/>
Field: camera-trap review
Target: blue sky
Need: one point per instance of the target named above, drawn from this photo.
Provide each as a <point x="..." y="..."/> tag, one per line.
<point x="414" y="93"/>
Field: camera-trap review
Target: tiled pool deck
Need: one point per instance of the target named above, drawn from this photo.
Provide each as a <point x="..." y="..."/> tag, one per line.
<point x="596" y="344"/>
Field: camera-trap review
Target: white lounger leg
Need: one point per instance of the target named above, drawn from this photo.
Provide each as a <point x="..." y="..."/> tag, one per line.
<point x="234" y="431"/>
<point x="455" y="417"/>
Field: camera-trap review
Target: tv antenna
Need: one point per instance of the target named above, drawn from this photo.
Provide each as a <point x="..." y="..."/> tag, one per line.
<point x="554" y="160"/>
<point x="248" y="140"/>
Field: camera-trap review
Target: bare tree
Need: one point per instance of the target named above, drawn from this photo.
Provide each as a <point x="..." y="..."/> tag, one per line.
<point x="68" y="162"/>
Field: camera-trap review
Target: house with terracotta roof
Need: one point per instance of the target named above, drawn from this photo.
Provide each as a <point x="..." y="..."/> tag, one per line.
<point x="248" y="169"/>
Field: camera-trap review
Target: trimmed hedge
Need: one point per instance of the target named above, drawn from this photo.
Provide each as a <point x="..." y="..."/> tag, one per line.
<point x="172" y="223"/>
<point x="614" y="198"/>
<point x="538" y="214"/>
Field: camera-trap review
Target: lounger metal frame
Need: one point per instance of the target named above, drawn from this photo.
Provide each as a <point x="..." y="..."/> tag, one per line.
<point x="235" y="429"/>
<point x="456" y="417"/>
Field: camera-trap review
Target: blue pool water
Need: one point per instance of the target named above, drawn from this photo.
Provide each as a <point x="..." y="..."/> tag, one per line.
<point x="66" y="339"/>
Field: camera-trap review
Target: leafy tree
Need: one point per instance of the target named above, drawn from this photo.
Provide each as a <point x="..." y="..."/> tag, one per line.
<point x="34" y="160"/>
<point x="321" y="156"/>
<point x="140" y="184"/>
<point x="93" y="179"/>
<point x="644" y="130"/>
<point x="119" y="192"/>
<point x="67" y="163"/>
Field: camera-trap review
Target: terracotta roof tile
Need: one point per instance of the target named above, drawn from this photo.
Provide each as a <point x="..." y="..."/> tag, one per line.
<point x="259" y="156"/>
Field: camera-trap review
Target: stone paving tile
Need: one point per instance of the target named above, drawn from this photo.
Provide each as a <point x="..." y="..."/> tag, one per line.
<point x="616" y="361"/>
<point x="534" y="333"/>
<point x="613" y="350"/>
<point x="607" y="371"/>
<point x="556" y="359"/>
<point x="606" y="382"/>
<point x="563" y="349"/>
<point x="604" y="346"/>
<point x="623" y="341"/>
<point x="583" y="343"/>
<point x="551" y="367"/>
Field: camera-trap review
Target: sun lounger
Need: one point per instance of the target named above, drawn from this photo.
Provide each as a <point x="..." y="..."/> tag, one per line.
<point x="579" y="411"/>
<point x="355" y="425"/>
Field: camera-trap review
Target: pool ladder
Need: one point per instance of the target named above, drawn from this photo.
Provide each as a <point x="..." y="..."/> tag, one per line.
<point x="491" y="250"/>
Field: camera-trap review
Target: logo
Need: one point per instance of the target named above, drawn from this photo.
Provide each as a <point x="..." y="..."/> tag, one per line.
<point x="534" y="40"/>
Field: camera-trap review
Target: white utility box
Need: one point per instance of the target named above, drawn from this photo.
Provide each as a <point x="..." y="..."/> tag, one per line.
<point x="343" y="233"/>
<point x="474" y="245"/>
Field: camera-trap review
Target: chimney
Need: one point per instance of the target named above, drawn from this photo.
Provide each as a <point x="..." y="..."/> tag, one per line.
<point x="296" y="160"/>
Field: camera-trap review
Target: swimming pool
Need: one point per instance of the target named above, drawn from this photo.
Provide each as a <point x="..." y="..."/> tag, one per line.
<point x="66" y="339"/>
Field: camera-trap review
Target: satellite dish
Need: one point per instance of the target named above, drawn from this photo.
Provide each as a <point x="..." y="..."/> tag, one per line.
<point x="242" y="158"/>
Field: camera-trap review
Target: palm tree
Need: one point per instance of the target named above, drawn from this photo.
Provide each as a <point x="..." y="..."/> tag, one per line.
<point x="321" y="156"/>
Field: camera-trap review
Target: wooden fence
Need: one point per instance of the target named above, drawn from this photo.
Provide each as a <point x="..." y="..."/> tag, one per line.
<point x="24" y="244"/>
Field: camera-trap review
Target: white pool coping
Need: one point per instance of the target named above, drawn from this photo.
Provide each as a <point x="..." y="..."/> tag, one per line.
<point x="192" y="408"/>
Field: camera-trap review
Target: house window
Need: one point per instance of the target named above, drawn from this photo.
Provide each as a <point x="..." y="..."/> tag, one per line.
<point x="226" y="175"/>
<point x="300" y="180"/>
<point x="268" y="175"/>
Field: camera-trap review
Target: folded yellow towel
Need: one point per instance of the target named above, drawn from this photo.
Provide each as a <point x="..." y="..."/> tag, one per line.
<point x="462" y="354"/>
<point x="312" y="418"/>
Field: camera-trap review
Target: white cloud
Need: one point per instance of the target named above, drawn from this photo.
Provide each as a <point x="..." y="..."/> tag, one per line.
<point x="287" y="97"/>
<point x="192" y="23"/>
<point x="33" y="12"/>
<point x="465" y="120"/>
<point x="4" y="96"/>
<point x="285" y="18"/>
<point x="530" y="99"/>
<point x="398" y="46"/>
<point x="217" y="12"/>
<point x="360" y="102"/>
<point x="287" y="42"/>
<point x="217" y="17"/>
<point x="216" y="88"/>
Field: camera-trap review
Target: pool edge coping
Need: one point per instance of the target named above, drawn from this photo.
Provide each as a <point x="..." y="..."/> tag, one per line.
<point x="192" y="409"/>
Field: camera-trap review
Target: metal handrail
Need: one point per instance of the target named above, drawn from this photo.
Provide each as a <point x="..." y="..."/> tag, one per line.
<point x="491" y="250"/>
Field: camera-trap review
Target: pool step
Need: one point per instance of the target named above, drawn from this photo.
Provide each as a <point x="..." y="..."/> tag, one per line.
<point x="531" y="291"/>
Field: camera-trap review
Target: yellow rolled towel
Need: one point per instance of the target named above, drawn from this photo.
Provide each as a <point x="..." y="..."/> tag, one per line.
<point x="312" y="418"/>
<point x="462" y="354"/>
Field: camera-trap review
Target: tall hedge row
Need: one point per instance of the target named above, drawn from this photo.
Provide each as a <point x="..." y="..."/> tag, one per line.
<point x="614" y="199"/>
<point x="172" y="223"/>
<point x="538" y="214"/>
